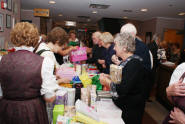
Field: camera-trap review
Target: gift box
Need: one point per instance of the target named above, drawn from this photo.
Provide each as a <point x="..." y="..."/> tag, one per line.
<point x="78" y="55"/>
<point x="115" y="73"/>
<point x="58" y="110"/>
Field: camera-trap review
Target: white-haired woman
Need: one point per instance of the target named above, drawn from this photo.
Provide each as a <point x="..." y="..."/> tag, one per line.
<point x="107" y="41"/>
<point x="129" y="95"/>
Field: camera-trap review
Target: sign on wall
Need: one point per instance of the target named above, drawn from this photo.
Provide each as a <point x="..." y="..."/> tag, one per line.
<point x="41" y="12"/>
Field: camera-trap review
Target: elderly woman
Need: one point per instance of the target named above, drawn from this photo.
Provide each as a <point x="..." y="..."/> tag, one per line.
<point x="129" y="95"/>
<point x="107" y="41"/>
<point x="26" y="79"/>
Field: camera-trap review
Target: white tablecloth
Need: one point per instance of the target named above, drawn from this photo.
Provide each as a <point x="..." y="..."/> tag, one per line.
<point x="108" y="112"/>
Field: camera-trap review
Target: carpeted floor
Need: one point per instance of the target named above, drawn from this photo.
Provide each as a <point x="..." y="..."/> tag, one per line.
<point x="147" y="119"/>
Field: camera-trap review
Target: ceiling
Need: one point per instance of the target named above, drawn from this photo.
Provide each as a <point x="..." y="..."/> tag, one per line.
<point x="71" y="9"/>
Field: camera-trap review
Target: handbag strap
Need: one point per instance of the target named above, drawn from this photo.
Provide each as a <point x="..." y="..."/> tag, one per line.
<point x="183" y="76"/>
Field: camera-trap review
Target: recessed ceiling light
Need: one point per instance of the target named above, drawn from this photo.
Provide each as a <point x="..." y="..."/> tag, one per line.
<point x="88" y="20"/>
<point x="70" y="23"/>
<point x="94" y="12"/>
<point x="52" y="2"/>
<point x="125" y="17"/>
<point x="181" y="14"/>
<point x="60" y="15"/>
<point x="144" y="10"/>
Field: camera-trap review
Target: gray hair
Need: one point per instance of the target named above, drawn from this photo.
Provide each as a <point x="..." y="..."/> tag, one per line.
<point x="129" y="28"/>
<point x="126" y="40"/>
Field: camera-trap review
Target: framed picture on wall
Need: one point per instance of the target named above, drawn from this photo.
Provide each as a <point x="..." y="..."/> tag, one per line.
<point x="1" y="22"/>
<point x="9" y="4"/>
<point x="8" y="21"/>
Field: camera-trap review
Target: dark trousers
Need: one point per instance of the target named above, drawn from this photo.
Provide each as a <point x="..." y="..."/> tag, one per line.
<point x="133" y="115"/>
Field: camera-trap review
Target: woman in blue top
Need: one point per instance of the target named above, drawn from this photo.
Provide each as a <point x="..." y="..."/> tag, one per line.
<point x="107" y="41"/>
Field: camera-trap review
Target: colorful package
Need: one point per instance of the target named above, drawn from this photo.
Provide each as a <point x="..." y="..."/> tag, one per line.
<point x="58" y="110"/>
<point x="85" y="80"/>
<point x="61" y="97"/>
<point x="78" y="55"/>
<point x="116" y="73"/>
<point x="96" y="81"/>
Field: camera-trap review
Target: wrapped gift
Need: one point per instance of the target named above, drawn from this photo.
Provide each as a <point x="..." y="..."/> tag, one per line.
<point x="66" y="72"/>
<point x="96" y="81"/>
<point x="78" y="55"/>
<point x="85" y="80"/>
<point x="58" y="110"/>
<point x="116" y="73"/>
<point x="61" y="97"/>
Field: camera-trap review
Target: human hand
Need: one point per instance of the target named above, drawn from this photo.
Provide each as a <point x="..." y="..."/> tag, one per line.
<point x="115" y="60"/>
<point x="63" y="80"/>
<point x="74" y="48"/>
<point x="50" y="99"/>
<point x="104" y="79"/>
<point x="177" y="116"/>
<point x="101" y="61"/>
<point x="103" y="65"/>
<point x="176" y="89"/>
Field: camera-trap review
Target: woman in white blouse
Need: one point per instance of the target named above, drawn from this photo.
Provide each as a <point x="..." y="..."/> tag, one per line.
<point x="56" y="40"/>
<point x="26" y="80"/>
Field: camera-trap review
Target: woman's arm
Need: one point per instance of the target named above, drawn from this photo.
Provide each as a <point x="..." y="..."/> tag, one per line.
<point x="66" y="51"/>
<point x="49" y="82"/>
<point x="176" y="89"/>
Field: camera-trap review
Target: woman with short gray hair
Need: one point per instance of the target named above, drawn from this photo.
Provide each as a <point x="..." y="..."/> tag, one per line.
<point x="129" y="95"/>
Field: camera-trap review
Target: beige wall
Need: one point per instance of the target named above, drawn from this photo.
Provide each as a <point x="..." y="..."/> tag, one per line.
<point x="6" y="33"/>
<point x="148" y="26"/>
<point x="28" y="15"/>
<point x="168" y="23"/>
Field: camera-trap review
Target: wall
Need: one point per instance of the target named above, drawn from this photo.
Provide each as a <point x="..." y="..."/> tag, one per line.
<point x="28" y="15"/>
<point x="148" y="26"/>
<point x="16" y="15"/>
<point x="168" y="23"/>
<point x="49" y="25"/>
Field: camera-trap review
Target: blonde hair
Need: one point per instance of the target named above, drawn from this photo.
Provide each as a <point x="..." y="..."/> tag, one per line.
<point x="97" y="34"/>
<point x="24" y="33"/>
<point x="107" y="37"/>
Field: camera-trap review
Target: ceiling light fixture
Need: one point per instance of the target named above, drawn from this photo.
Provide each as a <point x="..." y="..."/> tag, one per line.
<point x="125" y="17"/>
<point x="144" y="10"/>
<point x="52" y="2"/>
<point x="88" y="20"/>
<point x="70" y="23"/>
<point x="94" y="12"/>
<point x="181" y="14"/>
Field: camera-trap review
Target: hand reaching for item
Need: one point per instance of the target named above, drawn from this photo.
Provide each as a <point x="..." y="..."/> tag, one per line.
<point x="105" y="79"/>
<point x="63" y="80"/>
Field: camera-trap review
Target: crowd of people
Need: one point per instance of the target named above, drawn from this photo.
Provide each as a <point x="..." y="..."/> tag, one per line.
<point x="32" y="81"/>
